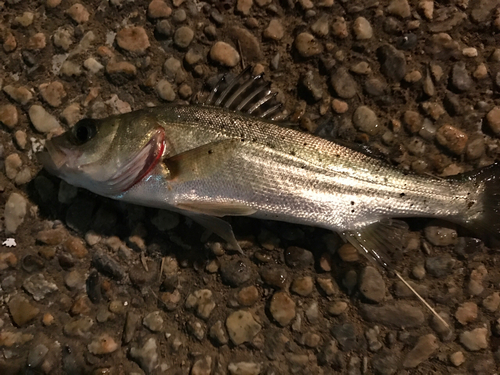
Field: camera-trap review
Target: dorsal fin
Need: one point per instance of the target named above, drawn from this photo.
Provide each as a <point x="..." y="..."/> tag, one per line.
<point x="245" y="93"/>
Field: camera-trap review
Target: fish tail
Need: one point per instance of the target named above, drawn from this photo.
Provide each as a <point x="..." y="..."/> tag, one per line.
<point x="483" y="209"/>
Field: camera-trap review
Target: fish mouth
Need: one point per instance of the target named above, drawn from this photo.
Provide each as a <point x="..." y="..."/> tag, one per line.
<point x="55" y="157"/>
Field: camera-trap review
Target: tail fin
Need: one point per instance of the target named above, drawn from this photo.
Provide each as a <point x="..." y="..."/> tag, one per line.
<point x="485" y="218"/>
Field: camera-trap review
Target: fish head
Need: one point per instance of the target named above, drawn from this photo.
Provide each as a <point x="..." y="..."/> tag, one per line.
<point x="105" y="156"/>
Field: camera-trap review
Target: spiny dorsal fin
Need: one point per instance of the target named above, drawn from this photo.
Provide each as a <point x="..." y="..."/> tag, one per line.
<point x="245" y="93"/>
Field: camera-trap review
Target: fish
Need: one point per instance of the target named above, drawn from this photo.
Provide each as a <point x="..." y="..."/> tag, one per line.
<point x="220" y="159"/>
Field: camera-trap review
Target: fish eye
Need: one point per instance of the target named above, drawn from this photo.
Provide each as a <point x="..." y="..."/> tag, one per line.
<point x="83" y="131"/>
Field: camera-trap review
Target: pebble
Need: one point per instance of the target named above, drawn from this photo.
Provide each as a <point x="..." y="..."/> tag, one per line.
<point x="43" y="121"/>
<point x="183" y="36"/>
<point x="321" y="26"/>
<point x="466" y="313"/>
<point x="13" y="164"/>
<point x="303" y="286"/>
<point x="7" y="260"/>
<point x="8" y="115"/>
<point x="235" y="272"/>
<point x="425" y="347"/>
<point x="345" y="334"/>
<point x="344" y="84"/>
<point x="248" y="296"/>
<point x="365" y="120"/>
<point x="165" y="90"/>
<point x="74" y="280"/>
<point x="218" y="334"/>
<point x="242" y="327"/>
<point x="62" y="38"/>
<point x="339" y="106"/>
<point x="399" y="8"/>
<point x="452" y="138"/>
<point x="277" y="277"/>
<point x="371" y="335"/>
<point x="146" y="356"/>
<point x="481" y="72"/>
<point x="131" y="324"/>
<point x="307" y="45"/>
<point x="274" y="30"/>
<point x="339" y="28"/>
<point x="398" y="315"/>
<point x="159" y="9"/>
<point x="282" y="308"/>
<point x="457" y="358"/>
<point x="164" y="28"/>
<point x="202" y="302"/>
<point x="22" y="311"/>
<point x="133" y="39"/>
<point x="492" y="302"/>
<point x="53" y="93"/>
<point x="371" y="284"/>
<point x="93" y="65"/>
<point x="392" y="62"/>
<point x="153" y="321"/>
<point x="427" y="7"/>
<point x="19" y="94"/>
<point x="104" y="344"/>
<point x="327" y="285"/>
<point x="202" y="366"/>
<point x="475" y="340"/>
<point x="196" y="328"/>
<point x="38" y="286"/>
<point x="244" y="368"/>
<point x="413" y="76"/>
<point x="469" y="52"/>
<point x="36" y="355"/>
<point x="37" y="42"/>
<point x="439" y="266"/>
<point x="25" y="20"/>
<point x="312" y="313"/>
<point x="362" y="28"/>
<point x="70" y="69"/>
<point x="76" y="247"/>
<point x="21" y="139"/>
<point x="15" y="211"/>
<point x="493" y="120"/>
<point x="460" y="78"/>
<point x="106" y="265"/>
<point x="78" y="13"/>
<point x="244" y="6"/>
<point x="298" y="258"/>
<point x="224" y="54"/>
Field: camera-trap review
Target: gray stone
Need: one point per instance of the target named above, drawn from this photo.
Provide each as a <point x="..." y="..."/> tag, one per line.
<point x="399" y="315"/>
<point x="242" y="327"/>
<point x="146" y="356"/>
<point x="366" y="120"/>
<point x="15" y="211"/>
<point x="371" y="284"/>
<point x="38" y="286"/>
<point x="425" y="347"/>
<point x="392" y="62"/>
<point x="344" y="84"/>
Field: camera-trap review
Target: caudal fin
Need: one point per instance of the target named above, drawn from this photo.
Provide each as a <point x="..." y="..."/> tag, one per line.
<point x="484" y="215"/>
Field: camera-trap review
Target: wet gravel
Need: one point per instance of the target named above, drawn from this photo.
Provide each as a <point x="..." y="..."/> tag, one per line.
<point x="92" y="286"/>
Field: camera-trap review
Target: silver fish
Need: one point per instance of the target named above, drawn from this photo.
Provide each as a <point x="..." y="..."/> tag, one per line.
<point x="210" y="161"/>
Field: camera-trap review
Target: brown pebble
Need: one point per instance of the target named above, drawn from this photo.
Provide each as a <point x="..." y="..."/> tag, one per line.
<point x="21" y="310"/>
<point x="82" y="306"/>
<point x="133" y="39"/>
<point x="493" y="120"/>
<point x="121" y="67"/>
<point x="78" y="13"/>
<point x="248" y="296"/>
<point x="75" y="247"/>
<point x="47" y="319"/>
<point x="159" y="9"/>
<point x="37" y="41"/>
<point x="274" y="30"/>
<point x="466" y="313"/>
<point x="413" y="121"/>
<point x="52" y="93"/>
<point x="53" y="3"/>
<point x="452" y="138"/>
<point x="51" y="236"/>
<point x="339" y="106"/>
<point x="8" y="115"/>
<point x="9" y="43"/>
<point x="348" y="253"/>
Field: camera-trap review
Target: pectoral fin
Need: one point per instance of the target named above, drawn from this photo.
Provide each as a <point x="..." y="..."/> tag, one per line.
<point x="218" y="226"/>
<point x="201" y="162"/>
<point x="379" y="239"/>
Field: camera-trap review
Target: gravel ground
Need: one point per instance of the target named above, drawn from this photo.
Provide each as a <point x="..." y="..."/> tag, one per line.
<point x="93" y="286"/>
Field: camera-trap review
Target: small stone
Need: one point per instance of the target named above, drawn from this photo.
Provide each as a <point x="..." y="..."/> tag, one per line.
<point x="78" y="13"/>
<point x="19" y="94"/>
<point x="427" y="7"/>
<point x="311" y="82"/>
<point x="224" y="54"/>
<point x="481" y="72"/>
<point x="274" y="30"/>
<point x="274" y="276"/>
<point x="93" y="65"/>
<point x="38" y="286"/>
<point x="153" y="321"/>
<point x="452" y="138"/>
<point x="74" y="280"/>
<point x="492" y="302"/>
<point x="282" y="308"/>
<point x="457" y="358"/>
<point x="466" y="313"/>
<point x="218" y="334"/>
<point x="37" y="42"/>
<point x="120" y="70"/>
<point x="392" y="62"/>
<point x="339" y="106"/>
<point x="133" y="39"/>
<point x="52" y="93"/>
<point x="22" y="311"/>
<point x="9" y="42"/>
<point x="337" y="308"/>
<point x="365" y="120"/>
<point x="104" y="344"/>
<point x="439" y="266"/>
<point x="165" y="90"/>
<point x="321" y="26"/>
<point x="307" y="45"/>
<point x="460" y="78"/>
<point x="15" y="211"/>
<point x="202" y="301"/>
<point x="469" y="52"/>
<point x="475" y="340"/>
<point x="107" y="265"/>
<point x="413" y="121"/>
<point x="236" y="272"/>
<point x="426" y="345"/>
<point x="8" y="115"/>
<point x="339" y="28"/>
<point x="398" y="315"/>
<point x="413" y="77"/>
<point x="13" y="164"/>
<point x="196" y="328"/>
<point x="312" y="313"/>
<point x="434" y="110"/>
<point x="399" y="8"/>
<point x="248" y="296"/>
<point x="344" y="84"/>
<point x="146" y="356"/>
<point x="183" y="36"/>
<point x="159" y="9"/>
<point x="21" y="139"/>
<point x="75" y="247"/>
<point x="345" y="334"/>
<point x="62" y="38"/>
<point x="244" y="368"/>
<point x="303" y="286"/>
<point x="7" y="260"/>
<point x="36" y="355"/>
<point x="362" y="28"/>
<point x="242" y="327"/>
<point x="493" y="120"/>
<point x="43" y="121"/>
<point x="328" y="286"/>
<point x="371" y="284"/>
<point x="25" y="20"/>
<point x="202" y="366"/>
<point x="298" y="258"/>
<point x="70" y="69"/>
<point x="244" y="6"/>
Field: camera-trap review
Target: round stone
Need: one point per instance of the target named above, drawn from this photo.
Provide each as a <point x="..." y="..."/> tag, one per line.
<point x="366" y="120"/>
<point x="282" y="308"/>
<point x="53" y="93"/>
<point x="133" y="39"/>
<point x="224" y="54"/>
<point x="307" y="45"/>
<point x="242" y="327"/>
<point x="8" y="115"/>
<point x="362" y="28"/>
<point x="159" y="9"/>
<point x="78" y="13"/>
<point x="183" y="36"/>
